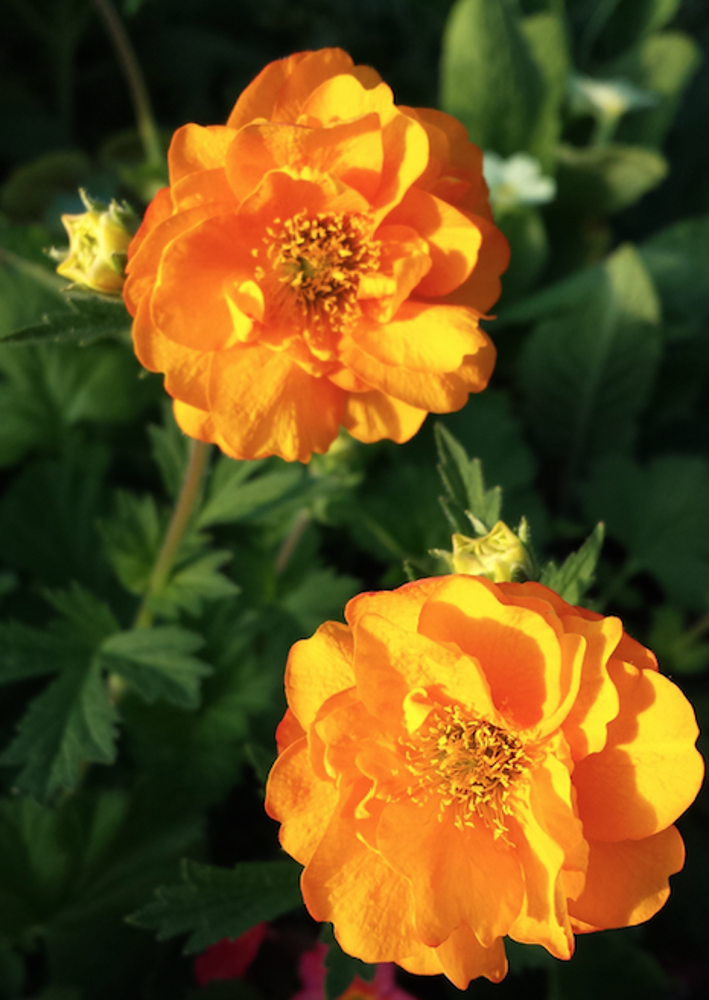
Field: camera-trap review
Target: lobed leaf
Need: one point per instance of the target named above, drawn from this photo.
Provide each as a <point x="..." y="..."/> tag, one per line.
<point x="572" y="579"/>
<point x="241" y="490"/>
<point x="158" y="663"/>
<point x="69" y="725"/>
<point x="212" y="903"/>
<point x="88" y="319"/>
<point x="465" y="486"/>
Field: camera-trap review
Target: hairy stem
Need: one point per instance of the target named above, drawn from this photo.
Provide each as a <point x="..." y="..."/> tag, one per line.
<point x="196" y="465"/>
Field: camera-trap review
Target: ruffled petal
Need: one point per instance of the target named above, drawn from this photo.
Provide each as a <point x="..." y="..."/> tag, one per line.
<point x="463" y="958"/>
<point x="368" y="902"/>
<point x="457" y="876"/>
<point x="195" y="148"/>
<point x="372" y="416"/>
<point x="300" y="801"/>
<point x="532" y="668"/>
<point x="402" y="606"/>
<point x="390" y="662"/>
<point x="351" y="151"/>
<point x="453" y="240"/>
<point x="627" y="881"/>
<point x="649" y="771"/>
<point x="318" y="668"/>
<point x="264" y="404"/>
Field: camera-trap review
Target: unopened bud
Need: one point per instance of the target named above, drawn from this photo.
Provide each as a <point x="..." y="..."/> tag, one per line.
<point x="499" y="556"/>
<point x="98" y="245"/>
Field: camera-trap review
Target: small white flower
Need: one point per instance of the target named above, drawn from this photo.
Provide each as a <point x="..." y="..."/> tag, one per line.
<point x="608" y="98"/>
<point x="517" y="181"/>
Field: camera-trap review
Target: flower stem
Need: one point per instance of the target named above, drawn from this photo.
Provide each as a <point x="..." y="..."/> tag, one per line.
<point x="145" y="119"/>
<point x="196" y="464"/>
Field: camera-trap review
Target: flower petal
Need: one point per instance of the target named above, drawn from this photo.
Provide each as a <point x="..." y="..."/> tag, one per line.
<point x="453" y="240"/>
<point x="649" y="771"/>
<point x="463" y="958"/>
<point x="371" y="416"/>
<point x="195" y="148"/>
<point x="627" y="881"/>
<point x="318" y="668"/>
<point x="300" y="801"/>
<point x="264" y="404"/>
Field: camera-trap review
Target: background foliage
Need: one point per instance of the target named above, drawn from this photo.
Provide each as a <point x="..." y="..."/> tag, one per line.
<point x="134" y="758"/>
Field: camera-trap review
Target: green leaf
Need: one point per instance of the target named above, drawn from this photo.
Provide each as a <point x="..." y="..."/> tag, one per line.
<point x="341" y="968"/>
<point x="158" y="663"/>
<point x="602" y="180"/>
<point x="664" y="63"/>
<point x="44" y="390"/>
<point x="624" y="23"/>
<point x="546" y="37"/>
<point x="588" y="368"/>
<point x="170" y="448"/>
<point x="193" y="583"/>
<point x="89" y="318"/>
<point x="131" y="539"/>
<point x="213" y="903"/>
<point x="489" y="78"/>
<point x="572" y="579"/>
<point x="465" y="486"/>
<point x="319" y="596"/>
<point x="677" y="258"/>
<point x="679" y="649"/>
<point x="69" y="725"/>
<point x="85" y="619"/>
<point x="241" y="490"/>
<point x="28" y="652"/>
<point x="659" y="513"/>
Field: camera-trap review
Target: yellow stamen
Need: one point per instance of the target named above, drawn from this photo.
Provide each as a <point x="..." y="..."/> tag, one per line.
<point x="471" y="763"/>
<point x="318" y="262"/>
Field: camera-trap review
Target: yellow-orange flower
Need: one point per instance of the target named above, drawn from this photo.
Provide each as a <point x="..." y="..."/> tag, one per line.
<point x="321" y="260"/>
<point x="467" y="760"/>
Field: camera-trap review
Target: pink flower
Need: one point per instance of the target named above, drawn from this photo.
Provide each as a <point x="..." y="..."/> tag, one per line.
<point x="312" y="973"/>
<point x="229" y="959"/>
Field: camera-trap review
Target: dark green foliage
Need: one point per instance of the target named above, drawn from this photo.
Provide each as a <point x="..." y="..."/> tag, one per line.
<point x="139" y="708"/>
<point x="213" y="903"/>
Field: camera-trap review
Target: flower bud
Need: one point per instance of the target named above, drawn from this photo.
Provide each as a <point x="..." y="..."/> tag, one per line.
<point x="499" y="556"/>
<point x="98" y="244"/>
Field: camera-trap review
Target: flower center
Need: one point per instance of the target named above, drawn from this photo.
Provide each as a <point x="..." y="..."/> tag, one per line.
<point x="471" y="763"/>
<point x="319" y="260"/>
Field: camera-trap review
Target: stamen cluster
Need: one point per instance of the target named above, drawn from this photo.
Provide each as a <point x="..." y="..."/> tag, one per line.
<point x="470" y="762"/>
<point x="321" y="260"/>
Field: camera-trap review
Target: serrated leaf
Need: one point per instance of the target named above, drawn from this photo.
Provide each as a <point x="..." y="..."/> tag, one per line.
<point x="602" y="180"/>
<point x="27" y="652"/>
<point x="213" y="903"/>
<point x="193" y="583"/>
<point x="572" y="579"/>
<point x="89" y="318"/>
<point x="465" y="486"/>
<point x="341" y="968"/>
<point x="240" y="490"/>
<point x="158" y="663"/>
<point x="69" y="725"/>
<point x="85" y="619"/>
<point x="587" y="371"/>
<point x="131" y="539"/>
<point x="46" y="389"/>
<point x="659" y="513"/>
<point x="489" y="79"/>
<point x="320" y="595"/>
<point x="170" y="448"/>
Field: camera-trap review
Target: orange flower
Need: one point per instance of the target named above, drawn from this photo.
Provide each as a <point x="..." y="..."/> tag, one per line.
<point x="321" y="260"/>
<point x="467" y="760"/>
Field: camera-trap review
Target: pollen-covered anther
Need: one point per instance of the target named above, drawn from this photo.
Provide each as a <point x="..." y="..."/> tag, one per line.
<point x="320" y="260"/>
<point x="472" y="764"/>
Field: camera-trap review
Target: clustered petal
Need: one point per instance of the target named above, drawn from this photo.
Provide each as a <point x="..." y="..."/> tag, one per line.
<point x="464" y="761"/>
<point x="323" y="260"/>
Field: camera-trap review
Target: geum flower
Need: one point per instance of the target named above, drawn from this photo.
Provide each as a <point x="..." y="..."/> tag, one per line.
<point x="321" y="260"/>
<point x="467" y="760"/>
